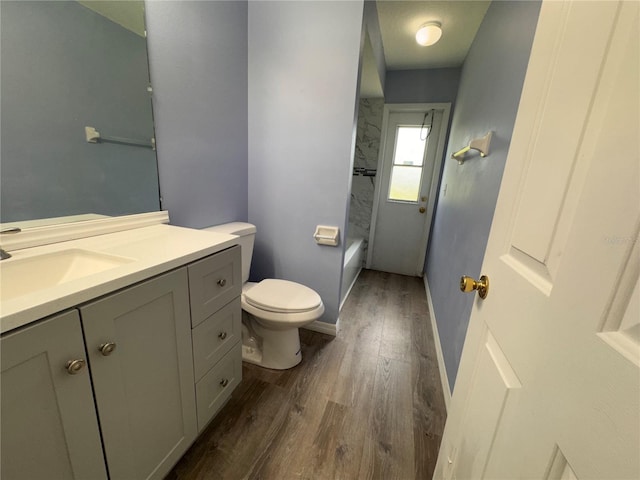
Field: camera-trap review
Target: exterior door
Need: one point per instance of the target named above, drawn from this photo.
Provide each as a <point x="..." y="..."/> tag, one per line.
<point x="549" y="383"/>
<point x="412" y="149"/>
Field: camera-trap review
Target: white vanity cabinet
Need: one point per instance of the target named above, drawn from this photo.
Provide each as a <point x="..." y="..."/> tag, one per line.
<point x="215" y="285"/>
<point x="139" y="349"/>
<point x="48" y="420"/>
<point x="131" y="397"/>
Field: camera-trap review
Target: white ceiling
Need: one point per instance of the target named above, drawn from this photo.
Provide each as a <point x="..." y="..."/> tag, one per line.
<point x="399" y="21"/>
<point x="128" y="14"/>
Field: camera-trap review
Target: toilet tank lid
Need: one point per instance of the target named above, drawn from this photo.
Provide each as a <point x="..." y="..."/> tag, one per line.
<point x="234" y="228"/>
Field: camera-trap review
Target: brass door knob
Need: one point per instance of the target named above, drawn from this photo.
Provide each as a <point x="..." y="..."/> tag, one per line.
<point x="422" y="209"/>
<point x="468" y="284"/>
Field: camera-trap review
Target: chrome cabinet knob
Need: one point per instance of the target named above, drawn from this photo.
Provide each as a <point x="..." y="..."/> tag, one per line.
<point x="222" y="335"/>
<point x="222" y="282"/>
<point x="74" y="366"/>
<point x="107" y="349"/>
<point x="224" y="382"/>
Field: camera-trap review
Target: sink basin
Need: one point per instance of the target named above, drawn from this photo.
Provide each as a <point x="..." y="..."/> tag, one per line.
<point x="27" y="276"/>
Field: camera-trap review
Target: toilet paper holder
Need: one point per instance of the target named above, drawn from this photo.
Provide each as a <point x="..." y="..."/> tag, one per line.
<point x="327" y="235"/>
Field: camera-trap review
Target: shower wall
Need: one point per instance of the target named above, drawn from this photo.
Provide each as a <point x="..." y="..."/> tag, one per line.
<point x="366" y="156"/>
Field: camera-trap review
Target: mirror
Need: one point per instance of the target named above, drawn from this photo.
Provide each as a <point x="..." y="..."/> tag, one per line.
<point x="68" y="65"/>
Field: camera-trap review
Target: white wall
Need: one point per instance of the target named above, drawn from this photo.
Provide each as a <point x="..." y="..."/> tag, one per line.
<point x="303" y="67"/>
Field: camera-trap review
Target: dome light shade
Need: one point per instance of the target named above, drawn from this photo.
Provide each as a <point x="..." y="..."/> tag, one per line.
<point x="428" y="34"/>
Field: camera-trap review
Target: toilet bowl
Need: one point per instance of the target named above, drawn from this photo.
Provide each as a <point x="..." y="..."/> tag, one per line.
<point x="272" y="310"/>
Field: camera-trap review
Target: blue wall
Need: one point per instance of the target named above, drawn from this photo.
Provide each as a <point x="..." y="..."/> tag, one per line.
<point x="433" y="85"/>
<point x="198" y="62"/>
<point x="488" y="98"/>
<point x="65" y="67"/>
<point x="303" y="69"/>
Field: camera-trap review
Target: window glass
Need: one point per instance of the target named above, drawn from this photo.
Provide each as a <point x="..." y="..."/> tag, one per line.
<point x="410" y="144"/>
<point x="405" y="183"/>
<point x="408" y="157"/>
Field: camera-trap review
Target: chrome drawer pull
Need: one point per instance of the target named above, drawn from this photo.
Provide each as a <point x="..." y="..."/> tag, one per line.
<point x="222" y="282"/>
<point x="224" y="382"/>
<point x="222" y="335"/>
<point x="74" y="366"/>
<point x="107" y="349"/>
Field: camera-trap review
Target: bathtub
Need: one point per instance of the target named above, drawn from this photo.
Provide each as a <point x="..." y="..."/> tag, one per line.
<point x="353" y="256"/>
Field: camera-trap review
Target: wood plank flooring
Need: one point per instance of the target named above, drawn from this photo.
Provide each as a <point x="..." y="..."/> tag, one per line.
<point x="367" y="404"/>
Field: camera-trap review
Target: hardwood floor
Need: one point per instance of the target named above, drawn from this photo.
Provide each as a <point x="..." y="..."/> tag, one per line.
<point x="367" y="404"/>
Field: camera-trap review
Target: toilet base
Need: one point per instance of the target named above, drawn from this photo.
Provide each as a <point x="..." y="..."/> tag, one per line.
<point x="251" y="355"/>
<point x="274" y="349"/>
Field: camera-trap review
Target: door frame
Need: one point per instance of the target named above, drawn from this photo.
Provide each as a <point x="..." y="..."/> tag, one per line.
<point x="390" y="108"/>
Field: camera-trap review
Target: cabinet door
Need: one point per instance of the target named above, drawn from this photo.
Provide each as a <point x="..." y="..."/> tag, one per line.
<point x="48" y="418"/>
<point x="144" y="387"/>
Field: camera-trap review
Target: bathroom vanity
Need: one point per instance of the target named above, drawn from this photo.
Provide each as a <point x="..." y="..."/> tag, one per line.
<point x="113" y="369"/>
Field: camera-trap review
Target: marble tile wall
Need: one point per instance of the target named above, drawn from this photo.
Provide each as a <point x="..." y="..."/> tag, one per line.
<point x="366" y="156"/>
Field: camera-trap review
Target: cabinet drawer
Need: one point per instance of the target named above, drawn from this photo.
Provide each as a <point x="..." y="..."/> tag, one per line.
<point x="217" y="384"/>
<point x="216" y="336"/>
<point x="214" y="282"/>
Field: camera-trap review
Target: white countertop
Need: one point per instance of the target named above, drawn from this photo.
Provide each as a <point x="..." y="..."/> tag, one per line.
<point x="153" y="250"/>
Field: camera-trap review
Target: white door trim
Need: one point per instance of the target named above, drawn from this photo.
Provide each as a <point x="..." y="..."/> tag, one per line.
<point x="390" y="108"/>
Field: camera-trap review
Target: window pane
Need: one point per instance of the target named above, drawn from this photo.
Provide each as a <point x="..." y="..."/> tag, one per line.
<point x="410" y="146"/>
<point x="405" y="183"/>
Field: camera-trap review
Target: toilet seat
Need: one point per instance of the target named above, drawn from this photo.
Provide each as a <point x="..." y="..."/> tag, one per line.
<point x="281" y="304"/>
<point x="282" y="296"/>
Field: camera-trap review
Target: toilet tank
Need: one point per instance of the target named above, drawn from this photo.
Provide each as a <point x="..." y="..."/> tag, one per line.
<point x="247" y="234"/>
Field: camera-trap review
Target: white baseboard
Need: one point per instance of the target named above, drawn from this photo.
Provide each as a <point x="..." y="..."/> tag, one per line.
<point x="436" y="336"/>
<point x="324" y="327"/>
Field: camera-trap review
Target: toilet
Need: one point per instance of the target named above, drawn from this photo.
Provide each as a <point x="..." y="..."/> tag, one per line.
<point x="272" y="310"/>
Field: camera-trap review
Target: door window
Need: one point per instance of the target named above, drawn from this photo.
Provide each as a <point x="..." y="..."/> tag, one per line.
<point x="408" y="159"/>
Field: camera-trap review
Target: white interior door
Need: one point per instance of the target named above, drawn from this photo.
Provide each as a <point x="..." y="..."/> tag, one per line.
<point x="411" y="155"/>
<point x="549" y="383"/>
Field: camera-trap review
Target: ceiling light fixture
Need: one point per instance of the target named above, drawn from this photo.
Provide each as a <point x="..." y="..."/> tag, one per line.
<point x="429" y="33"/>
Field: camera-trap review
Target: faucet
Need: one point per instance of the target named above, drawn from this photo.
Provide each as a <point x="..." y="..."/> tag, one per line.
<point x="3" y="253"/>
